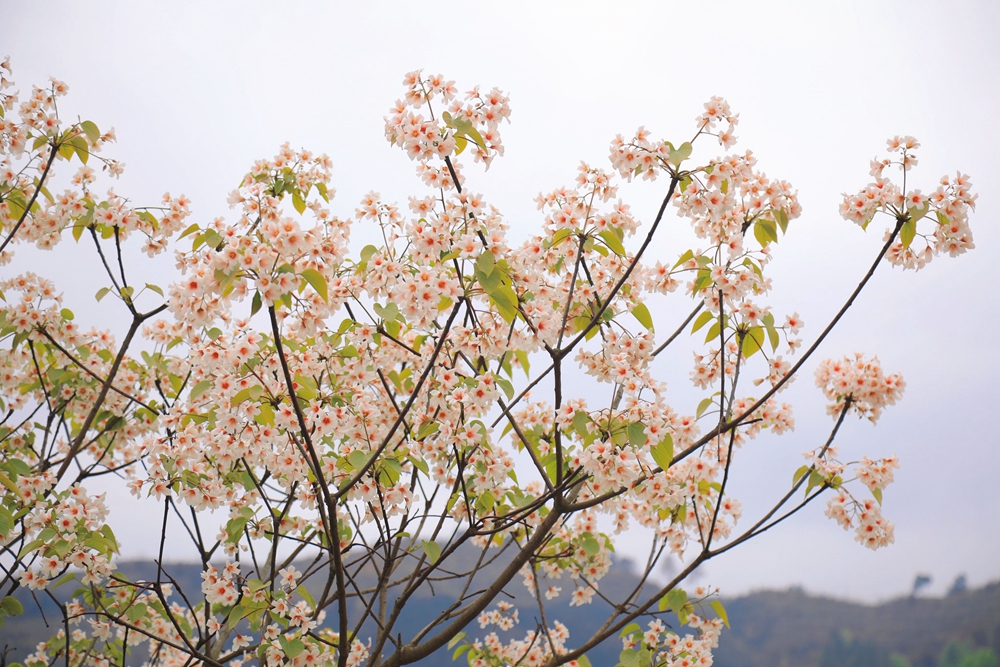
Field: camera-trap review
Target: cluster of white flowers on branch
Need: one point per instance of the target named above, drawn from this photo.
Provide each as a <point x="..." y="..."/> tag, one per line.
<point x="366" y="420"/>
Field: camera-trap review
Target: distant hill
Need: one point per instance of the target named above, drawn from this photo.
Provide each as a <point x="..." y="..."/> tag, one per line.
<point x="769" y="629"/>
<point x="791" y="628"/>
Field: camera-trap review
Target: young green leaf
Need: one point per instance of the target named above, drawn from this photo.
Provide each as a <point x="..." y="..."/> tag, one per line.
<point x="641" y="313"/>
<point x="663" y="452"/>
<point x="720" y="611"/>
<point x="704" y="405"/>
<point x="613" y="242"/>
<point x="432" y="549"/>
<point x="318" y="282"/>
<point x="702" y="320"/>
<point x="90" y="129"/>
<point x="908" y="232"/>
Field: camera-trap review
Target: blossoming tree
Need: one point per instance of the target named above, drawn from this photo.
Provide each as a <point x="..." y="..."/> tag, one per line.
<point x="363" y="417"/>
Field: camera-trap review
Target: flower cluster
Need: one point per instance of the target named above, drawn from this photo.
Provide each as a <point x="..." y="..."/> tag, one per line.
<point x="474" y="119"/>
<point x="947" y="210"/>
<point x="871" y="528"/>
<point x="858" y="384"/>
<point x="877" y="474"/>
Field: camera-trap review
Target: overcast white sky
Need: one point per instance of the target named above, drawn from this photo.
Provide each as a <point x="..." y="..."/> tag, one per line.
<point x="197" y="91"/>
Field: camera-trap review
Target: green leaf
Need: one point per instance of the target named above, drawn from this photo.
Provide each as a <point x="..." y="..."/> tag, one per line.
<point x="419" y="464"/>
<point x="255" y="304"/>
<point x="613" y="242"/>
<point x="103" y="292"/>
<point x="720" y="611"/>
<point x="505" y="301"/>
<point x="680" y="154"/>
<point x="629" y="658"/>
<point x="136" y="612"/>
<point x="771" y="227"/>
<point x="559" y="236"/>
<point x="323" y="192"/>
<point x="154" y="288"/>
<point x="90" y="129"/>
<point x="688" y="254"/>
<point x="306" y="595"/>
<point x="318" y="282"/>
<point x="507" y="387"/>
<point x="307" y="388"/>
<point x="753" y="340"/>
<point x="428" y="428"/>
<point x="357" y="459"/>
<point x="590" y="545"/>
<point x="782" y="219"/>
<point x="713" y="331"/>
<point x="877" y="494"/>
<point x="265" y="416"/>
<point x="702" y="320"/>
<point x="815" y="479"/>
<point x="454" y="640"/>
<point x="704" y="405"/>
<point x="676" y="600"/>
<point x="908" y="232"/>
<point x="485" y="263"/>
<point x="234" y="529"/>
<point x="11" y="606"/>
<point x="473" y="134"/>
<point x="44" y="190"/>
<point x="241" y="396"/>
<point x="762" y="238"/>
<point x="637" y="434"/>
<point x="79" y="145"/>
<point x="298" y="202"/>
<point x="663" y="452"/>
<point x="702" y="279"/>
<point x="630" y="629"/>
<point x="798" y="474"/>
<point x="522" y="357"/>
<point x="753" y="267"/>
<point x="191" y="229"/>
<point x="773" y="337"/>
<point x="490" y="282"/>
<point x="368" y="252"/>
<point x="917" y="212"/>
<point x="485" y="502"/>
<point x="200" y="389"/>
<point x="149" y="218"/>
<point x="432" y="549"/>
<point x="293" y="647"/>
<point x="641" y="313"/>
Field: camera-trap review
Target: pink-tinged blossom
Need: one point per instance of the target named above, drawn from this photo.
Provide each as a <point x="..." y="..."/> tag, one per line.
<point x="860" y="383"/>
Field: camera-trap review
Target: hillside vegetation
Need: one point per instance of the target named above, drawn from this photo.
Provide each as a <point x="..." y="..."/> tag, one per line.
<point x="769" y="629"/>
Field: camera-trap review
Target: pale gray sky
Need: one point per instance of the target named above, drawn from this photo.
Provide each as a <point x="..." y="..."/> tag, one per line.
<point x="197" y="91"/>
